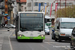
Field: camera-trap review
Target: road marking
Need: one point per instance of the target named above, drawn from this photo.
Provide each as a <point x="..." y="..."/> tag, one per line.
<point x="10" y="41"/>
<point x="44" y="47"/>
<point x="30" y="47"/>
<point x="13" y="34"/>
<point x="66" y="47"/>
<point x="49" y="42"/>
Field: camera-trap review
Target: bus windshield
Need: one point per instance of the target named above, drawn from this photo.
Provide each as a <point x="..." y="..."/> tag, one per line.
<point x="67" y="25"/>
<point x="31" y="21"/>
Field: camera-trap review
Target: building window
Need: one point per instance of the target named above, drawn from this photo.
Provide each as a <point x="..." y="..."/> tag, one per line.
<point x="42" y="4"/>
<point x="36" y="3"/>
<point x="69" y="4"/>
<point x="59" y="3"/>
<point x="25" y="7"/>
<point x="29" y="4"/>
<point x="53" y="12"/>
<point x="63" y="4"/>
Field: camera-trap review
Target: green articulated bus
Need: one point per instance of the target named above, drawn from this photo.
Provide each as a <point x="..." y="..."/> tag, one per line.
<point x="30" y="25"/>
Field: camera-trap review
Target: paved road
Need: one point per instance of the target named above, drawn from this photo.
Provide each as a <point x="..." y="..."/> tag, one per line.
<point x="48" y="44"/>
<point x="10" y="43"/>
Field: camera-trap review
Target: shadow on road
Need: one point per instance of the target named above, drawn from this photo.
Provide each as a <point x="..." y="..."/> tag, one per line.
<point x="64" y="41"/>
<point x="25" y="40"/>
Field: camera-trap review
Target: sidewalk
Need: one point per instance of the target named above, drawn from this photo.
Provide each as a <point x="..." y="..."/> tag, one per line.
<point x="1" y="38"/>
<point x="4" y="40"/>
<point x="1" y="41"/>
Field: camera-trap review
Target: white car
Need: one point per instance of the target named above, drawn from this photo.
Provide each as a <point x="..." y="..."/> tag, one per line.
<point x="9" y="26"/>
<point x="47" y="31"/>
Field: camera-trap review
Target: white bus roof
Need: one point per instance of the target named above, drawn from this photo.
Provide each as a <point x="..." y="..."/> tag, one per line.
<point x="31" y="12"/>
<point x="66" y="19"/>
<point x="48" y="17"/>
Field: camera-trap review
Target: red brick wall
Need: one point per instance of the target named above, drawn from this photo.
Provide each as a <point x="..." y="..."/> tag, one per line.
<point x="17" y="0"/>
<point x="21" y="1"/>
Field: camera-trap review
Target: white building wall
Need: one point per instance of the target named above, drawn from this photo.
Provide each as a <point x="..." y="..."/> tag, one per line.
<point x="17" y="7"/>
<point x="36" y="7"/>
<point x="23" y="8"/>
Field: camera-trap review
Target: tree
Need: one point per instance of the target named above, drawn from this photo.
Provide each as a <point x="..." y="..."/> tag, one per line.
<point x="66" y="12"/>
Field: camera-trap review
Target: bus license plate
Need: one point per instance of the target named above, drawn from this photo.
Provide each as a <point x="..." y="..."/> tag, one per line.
<point x="31" y="38"/>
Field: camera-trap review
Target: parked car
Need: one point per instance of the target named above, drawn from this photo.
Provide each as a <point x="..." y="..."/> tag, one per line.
<point x="9" y="26"/>
<point x="72" y="43"/>
<point x="47" y="31"/>
<point x="63" y="28"/>
<point x="53" y="34"/>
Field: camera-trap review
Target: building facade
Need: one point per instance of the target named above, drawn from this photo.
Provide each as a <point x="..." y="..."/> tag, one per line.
<point x="35" y="4"/>
<point x="21" y="5"/>
<point x="29" y="5"/>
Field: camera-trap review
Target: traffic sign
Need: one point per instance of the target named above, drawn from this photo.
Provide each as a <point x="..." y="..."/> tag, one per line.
<point x="8" y="18"/>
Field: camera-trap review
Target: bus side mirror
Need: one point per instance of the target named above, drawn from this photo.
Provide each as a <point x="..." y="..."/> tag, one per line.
<point x="57" y="27"/>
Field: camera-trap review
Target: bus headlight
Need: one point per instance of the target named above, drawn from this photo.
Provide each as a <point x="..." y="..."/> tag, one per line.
<point x="20" y="35"/>
<point x="42" y="35"/>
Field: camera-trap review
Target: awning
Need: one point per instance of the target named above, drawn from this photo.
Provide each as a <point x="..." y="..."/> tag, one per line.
<point x="1" y="15"/>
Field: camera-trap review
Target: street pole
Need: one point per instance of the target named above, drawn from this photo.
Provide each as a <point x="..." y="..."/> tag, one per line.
<point x="32" y="5"/>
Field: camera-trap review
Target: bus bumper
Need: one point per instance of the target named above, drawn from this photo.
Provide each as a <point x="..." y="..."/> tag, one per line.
<point x="24" y="37"/>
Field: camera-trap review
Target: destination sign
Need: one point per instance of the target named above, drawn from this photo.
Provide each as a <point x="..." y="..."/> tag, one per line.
<point x="31" y="15"/>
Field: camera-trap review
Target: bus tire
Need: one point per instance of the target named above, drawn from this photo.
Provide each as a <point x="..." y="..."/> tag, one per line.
<point x="18" y="40"/>
<point x="16" y="36"/>
<point x="41" y="40"/>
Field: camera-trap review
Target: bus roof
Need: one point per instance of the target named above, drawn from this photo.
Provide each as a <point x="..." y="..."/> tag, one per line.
<point x="48" y="17"/>
<point x="31" y="12"/>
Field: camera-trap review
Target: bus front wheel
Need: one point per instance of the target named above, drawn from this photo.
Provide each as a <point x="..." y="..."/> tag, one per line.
<point x="40" y="40"/>
<point x="17" y="38"/>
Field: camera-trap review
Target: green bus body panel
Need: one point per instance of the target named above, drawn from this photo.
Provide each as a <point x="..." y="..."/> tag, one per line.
<point x="23" y="37"/>
<point x="48" y="24"/>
